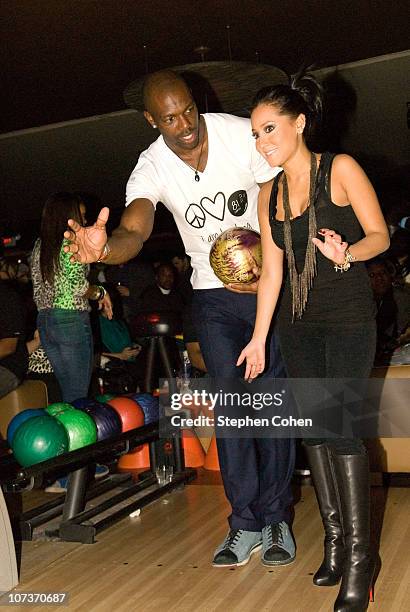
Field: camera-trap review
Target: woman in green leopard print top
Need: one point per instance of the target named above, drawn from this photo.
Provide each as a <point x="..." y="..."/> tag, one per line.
<point x="61" y="293"/>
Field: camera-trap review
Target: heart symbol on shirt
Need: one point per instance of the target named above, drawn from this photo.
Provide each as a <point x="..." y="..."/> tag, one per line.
<point x="215" y="207"/>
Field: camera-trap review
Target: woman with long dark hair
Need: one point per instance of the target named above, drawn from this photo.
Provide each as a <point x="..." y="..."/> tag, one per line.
<point x="61" y="292"/>
<point x="321" y="217"/>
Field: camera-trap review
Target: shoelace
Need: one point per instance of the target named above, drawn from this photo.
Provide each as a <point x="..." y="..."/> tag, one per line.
<point x="275" y="534"/>
<point x="232" y="537"/>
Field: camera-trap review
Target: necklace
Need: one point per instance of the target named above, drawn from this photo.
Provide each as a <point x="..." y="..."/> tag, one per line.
<point x="196" y="177"/>
<point x="301" y="283"/>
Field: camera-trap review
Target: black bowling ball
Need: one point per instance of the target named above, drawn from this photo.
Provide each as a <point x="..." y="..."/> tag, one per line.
<point x="106" y="419"/>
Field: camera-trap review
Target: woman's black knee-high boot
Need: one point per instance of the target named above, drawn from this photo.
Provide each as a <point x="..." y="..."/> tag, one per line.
<point x="330" y="571"/>
<point x="352" y="474"/>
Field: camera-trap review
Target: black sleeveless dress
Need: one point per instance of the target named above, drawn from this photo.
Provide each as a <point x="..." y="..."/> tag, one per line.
<point x="335" y="299"/>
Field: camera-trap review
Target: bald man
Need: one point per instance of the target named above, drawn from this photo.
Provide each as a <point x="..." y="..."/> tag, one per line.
<point x="206" y="171"/>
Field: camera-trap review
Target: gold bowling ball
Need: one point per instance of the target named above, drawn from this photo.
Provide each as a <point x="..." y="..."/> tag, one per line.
<point x="234" y="255"/>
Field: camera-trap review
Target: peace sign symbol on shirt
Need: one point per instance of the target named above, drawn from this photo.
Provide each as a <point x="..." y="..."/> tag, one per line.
<point x="195" y="216"/>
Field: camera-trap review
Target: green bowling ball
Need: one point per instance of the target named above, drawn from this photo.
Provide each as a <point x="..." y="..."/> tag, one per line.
<point x="38" y="439"/>
<point x="80" y="428"/>
<point x="105" y="397"/>
<point x="58" y="407"/>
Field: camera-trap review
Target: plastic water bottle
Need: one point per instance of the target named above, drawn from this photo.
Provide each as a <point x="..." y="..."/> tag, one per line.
<point x="187" y="367"/>
<point x="185" y="372"/>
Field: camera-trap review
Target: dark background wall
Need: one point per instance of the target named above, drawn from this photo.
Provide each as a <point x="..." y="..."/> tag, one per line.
<point x="69" y="61"/>
<point x="66" y="59"/>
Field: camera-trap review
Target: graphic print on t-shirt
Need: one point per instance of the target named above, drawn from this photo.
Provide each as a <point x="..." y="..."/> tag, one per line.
<point x="215" y="207"/>
<point x="195" y="216"/>
<point x="238" y="203"/>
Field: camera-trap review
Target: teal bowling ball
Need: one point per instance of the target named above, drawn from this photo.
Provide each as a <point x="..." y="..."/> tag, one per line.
<point x="19" y="419"/>
<point x="58" y="407"/>
<point x="80" y="428"/>
<point x="38" y="439"/>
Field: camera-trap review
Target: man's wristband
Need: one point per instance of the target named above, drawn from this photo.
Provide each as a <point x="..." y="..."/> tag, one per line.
<point x="104" y="253"/>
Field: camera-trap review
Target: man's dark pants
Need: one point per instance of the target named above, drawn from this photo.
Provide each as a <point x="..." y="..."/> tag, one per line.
<point x="256" y="472"/>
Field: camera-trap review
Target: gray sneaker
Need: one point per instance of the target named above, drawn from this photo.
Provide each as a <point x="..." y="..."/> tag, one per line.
<point x="278" y="544"/>
<point x="237" y="548"/>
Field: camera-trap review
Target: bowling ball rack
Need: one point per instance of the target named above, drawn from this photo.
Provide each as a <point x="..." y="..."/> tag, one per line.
<point x="78" y="524"/>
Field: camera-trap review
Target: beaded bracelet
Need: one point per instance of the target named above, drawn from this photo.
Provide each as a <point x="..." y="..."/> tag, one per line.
<point x="101" y="293"/>
<point x="346" y="263"/>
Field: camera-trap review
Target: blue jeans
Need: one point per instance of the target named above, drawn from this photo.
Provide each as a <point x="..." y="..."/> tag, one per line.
<point x="256" y="472"/>
<point x="67" y="339"/>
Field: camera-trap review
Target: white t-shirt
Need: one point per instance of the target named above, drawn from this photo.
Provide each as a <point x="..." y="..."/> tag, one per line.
<point x="225" y="196"/>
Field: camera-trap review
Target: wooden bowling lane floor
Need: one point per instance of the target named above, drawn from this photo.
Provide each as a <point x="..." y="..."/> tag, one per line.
<point x="160" y="561"/>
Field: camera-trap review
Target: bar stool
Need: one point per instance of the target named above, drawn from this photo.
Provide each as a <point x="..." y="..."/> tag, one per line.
<point x="159" y="328"/>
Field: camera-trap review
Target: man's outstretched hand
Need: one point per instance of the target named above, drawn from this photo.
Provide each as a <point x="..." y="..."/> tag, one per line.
<point x="87" y="243"/>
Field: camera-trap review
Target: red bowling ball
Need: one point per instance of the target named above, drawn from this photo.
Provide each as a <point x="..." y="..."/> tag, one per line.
<point x="130" y="413"/>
